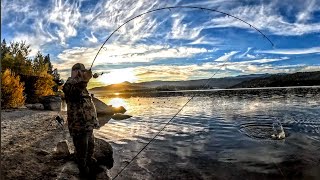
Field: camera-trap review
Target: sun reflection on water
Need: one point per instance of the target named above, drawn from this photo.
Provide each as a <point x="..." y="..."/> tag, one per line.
<point x="117" y="102"/>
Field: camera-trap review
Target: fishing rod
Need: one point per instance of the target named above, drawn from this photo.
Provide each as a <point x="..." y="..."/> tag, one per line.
<point x="205" y="84"/>
<point x="179" y="7"/>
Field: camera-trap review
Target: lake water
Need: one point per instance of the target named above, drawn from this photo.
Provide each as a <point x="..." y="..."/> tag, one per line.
<point x="216" y="138"/>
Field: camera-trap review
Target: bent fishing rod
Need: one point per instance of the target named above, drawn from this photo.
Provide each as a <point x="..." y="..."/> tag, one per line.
<point x="204" y="85"/>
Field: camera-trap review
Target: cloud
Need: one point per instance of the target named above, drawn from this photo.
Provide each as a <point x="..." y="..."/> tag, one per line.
<point x="307" y="11"/>
<point x="226" y="56"/>
<point x="260" y="66"/>
<point x="265" y="17"/>
<point x="92" y="39"/>
<point x="123" y="53"/>
<point x="292" y="51"/>
<point x="206" y="70"/>
<point x="182" y="30"/>
<point x="261" y="61"/>
<point x="66" y="17"/>
<point x="42" y="33"/>
<point x="35" y="41"/>
<point x="68" y="24"/>
<point x="163" y="72"/>
<point x="61" y="20"/>
<point x="57" y="21"/>
<point x="206" y="41"/>
<point x="246" y="54"/>
<point x="250" y="56"/>
<point x="108" y="15"/>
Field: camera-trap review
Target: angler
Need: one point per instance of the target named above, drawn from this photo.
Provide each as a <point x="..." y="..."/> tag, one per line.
<point x="82" y="118"/>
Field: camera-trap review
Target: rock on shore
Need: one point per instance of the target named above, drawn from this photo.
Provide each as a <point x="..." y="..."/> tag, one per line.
<point x="103" y="153"/>
<point x="104" y="109"/>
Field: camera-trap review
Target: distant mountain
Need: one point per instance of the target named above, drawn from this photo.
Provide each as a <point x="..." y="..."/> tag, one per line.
<point x="198" y="84"/>
<point x="179" y="85"/>
<point x="283" y="80"/>
<point x="125" y="86"/>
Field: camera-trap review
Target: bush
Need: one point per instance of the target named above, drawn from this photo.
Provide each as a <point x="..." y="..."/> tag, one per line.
<point x="11" y="90"/>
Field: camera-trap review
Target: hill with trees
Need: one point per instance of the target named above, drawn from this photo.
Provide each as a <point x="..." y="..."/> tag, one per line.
<point x="283" y="80"/>
<point x="179" y="85"/>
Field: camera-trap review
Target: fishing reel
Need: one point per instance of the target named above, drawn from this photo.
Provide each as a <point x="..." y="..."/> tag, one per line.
<point x="96" y="75"/>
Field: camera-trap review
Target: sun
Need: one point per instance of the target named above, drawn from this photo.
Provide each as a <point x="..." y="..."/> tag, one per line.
<point x="118" y="76"/>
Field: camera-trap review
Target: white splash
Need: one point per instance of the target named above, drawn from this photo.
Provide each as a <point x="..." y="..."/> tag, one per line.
<point x="278" y="132"/>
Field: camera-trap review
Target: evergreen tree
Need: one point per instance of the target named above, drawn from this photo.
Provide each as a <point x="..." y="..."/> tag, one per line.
<point x="48" y="62"/>
<point x="4" y="48"/>
<point x="39" y="66"/>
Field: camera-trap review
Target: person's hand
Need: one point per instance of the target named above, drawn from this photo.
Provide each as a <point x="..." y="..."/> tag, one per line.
<point x="87" y="75"/>
<point x="95" y="75"/>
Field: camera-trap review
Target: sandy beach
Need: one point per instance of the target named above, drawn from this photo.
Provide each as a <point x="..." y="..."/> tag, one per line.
<point x="28" y="146"/>
<point x="28" y="138"/>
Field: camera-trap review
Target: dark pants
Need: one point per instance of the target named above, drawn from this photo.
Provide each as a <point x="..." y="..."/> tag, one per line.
<point x="84" y="146"/>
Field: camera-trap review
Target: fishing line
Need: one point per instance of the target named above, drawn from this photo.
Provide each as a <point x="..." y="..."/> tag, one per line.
<point x="207" y="82"/>
<point x="204" y="85"/>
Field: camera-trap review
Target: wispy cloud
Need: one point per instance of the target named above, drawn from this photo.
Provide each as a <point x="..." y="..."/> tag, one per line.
<point x="182" y="30"/>
<point x="226" y="56"/>
<point x="107" y="15"/>
<point x="246" y="54"/>
<point x="92" y="38"/>
<point x="206" y="41"/>
<point x="122" y="53"/>
<point x="266" y="17"/>
<point x="306" y="13"/>
<point x="73" y="30"/>
<point x="291" y="51"/>
<point x="65" y="16"/>
<point x="55" y="23"/>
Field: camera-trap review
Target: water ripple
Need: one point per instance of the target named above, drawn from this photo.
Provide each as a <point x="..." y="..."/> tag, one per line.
<point x="224" y="134"/>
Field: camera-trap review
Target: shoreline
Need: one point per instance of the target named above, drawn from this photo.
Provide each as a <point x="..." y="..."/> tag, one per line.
<point x="28" y="142"/>
<point x="262" y="91"/>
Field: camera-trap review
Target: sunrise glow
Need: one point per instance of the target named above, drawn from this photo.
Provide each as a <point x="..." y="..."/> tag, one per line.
<point x="118" y="76"/>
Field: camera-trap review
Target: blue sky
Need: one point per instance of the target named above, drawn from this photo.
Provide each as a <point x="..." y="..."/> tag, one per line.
<point x="179" y="44"/>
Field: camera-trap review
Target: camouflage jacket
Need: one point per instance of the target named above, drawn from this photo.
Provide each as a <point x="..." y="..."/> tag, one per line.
<point x="82" y="115"/>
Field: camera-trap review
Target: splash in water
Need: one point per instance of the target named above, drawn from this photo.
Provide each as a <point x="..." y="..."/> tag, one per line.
<point x="278" y="132"/>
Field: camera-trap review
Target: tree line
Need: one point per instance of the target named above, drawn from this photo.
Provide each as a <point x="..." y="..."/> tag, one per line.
<point x="283" y="80"/>
<point x="25" y="79"/>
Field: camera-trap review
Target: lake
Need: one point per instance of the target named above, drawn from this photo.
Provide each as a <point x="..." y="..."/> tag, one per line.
<point x="216" y="137"/>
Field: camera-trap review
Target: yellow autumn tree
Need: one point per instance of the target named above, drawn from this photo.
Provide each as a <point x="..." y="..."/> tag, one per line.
<point x="44" y="85"/>
<point x="11" y="90"/>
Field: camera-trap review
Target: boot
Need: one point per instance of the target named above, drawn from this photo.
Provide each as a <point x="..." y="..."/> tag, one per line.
<point x="94" y="166"/>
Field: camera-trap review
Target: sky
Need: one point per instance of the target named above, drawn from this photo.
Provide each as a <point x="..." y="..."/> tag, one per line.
<point x="174" y="44"/>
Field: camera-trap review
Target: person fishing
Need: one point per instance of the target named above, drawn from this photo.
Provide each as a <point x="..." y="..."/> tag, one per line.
<point x="82" y="117"/>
